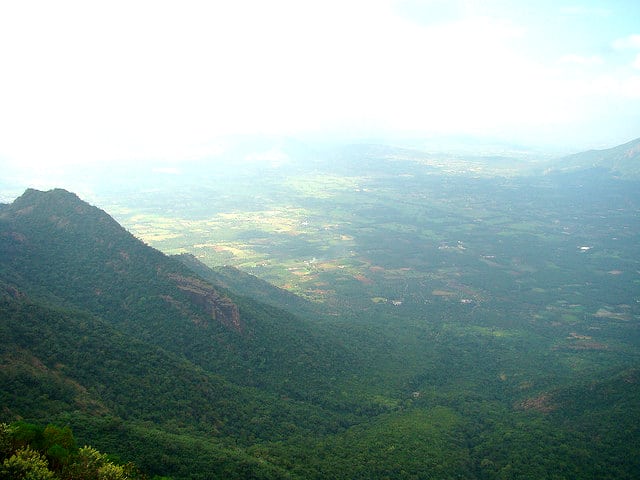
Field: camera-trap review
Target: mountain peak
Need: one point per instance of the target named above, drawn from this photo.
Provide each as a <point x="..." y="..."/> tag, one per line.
<point x="57" y="202"/>
<point x="33" y="196"/>
<point x="94" y="262"/>
<point x="63" y="215"/>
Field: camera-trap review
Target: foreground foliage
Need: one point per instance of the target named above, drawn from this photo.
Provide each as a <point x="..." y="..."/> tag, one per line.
<point x="30" y="452"/>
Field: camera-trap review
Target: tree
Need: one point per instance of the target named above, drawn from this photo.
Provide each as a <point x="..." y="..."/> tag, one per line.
<point x="6" y="440"/>
<point x="58" y="444"/>
<point x="26" y="434"/>
<point x="90" y="464"/>
<point x="26" y="464"/>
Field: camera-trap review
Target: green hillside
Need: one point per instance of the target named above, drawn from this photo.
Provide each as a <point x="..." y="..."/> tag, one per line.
<point x="85" y="332"/>
<point x="59" y="249"/>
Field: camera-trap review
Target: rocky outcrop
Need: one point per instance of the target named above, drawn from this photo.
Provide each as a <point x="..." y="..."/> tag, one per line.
<point x="218" y="307"/>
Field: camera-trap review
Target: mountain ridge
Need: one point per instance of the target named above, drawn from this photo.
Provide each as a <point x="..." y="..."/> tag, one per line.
<point x="53" y="243"/>
<point x="621" y="159"/>
<point x="67" y="219"/>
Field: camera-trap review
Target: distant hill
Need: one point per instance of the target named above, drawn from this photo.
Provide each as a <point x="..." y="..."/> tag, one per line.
<point x="621" y="160"/>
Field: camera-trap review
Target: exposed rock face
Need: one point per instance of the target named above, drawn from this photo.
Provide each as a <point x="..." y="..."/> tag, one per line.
<point x="542" y="403"/>
<point x="220" y="308"/>
<point x="10" y="292"/>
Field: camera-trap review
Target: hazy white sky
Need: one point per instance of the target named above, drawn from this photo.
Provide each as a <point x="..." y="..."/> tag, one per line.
<point x="102" y="81"/>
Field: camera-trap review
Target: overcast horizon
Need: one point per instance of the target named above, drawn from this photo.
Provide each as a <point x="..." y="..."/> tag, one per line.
<point x="87" y="83"/>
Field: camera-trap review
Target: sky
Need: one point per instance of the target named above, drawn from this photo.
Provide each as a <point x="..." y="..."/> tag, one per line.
<point x="124" y="81"/>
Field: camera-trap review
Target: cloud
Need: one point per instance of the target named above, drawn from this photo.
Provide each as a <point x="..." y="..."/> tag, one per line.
<point x="86" y="82"/>
<point x="582" y="60"/>
<point x="629" y="42"/>
<point x="167" y="170"/>
<point x="611" y="87"/>
<point x="583" y="10"/>
<point x="97" y="83"/>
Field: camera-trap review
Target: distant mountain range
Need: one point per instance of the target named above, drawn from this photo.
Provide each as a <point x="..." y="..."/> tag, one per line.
<point x="622" y="160"/>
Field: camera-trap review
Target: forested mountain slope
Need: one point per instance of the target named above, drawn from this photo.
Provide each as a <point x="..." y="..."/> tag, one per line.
<point x="70" y="367"/>
<point x="97" y="323"/>
<point x="57" y="248"/>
